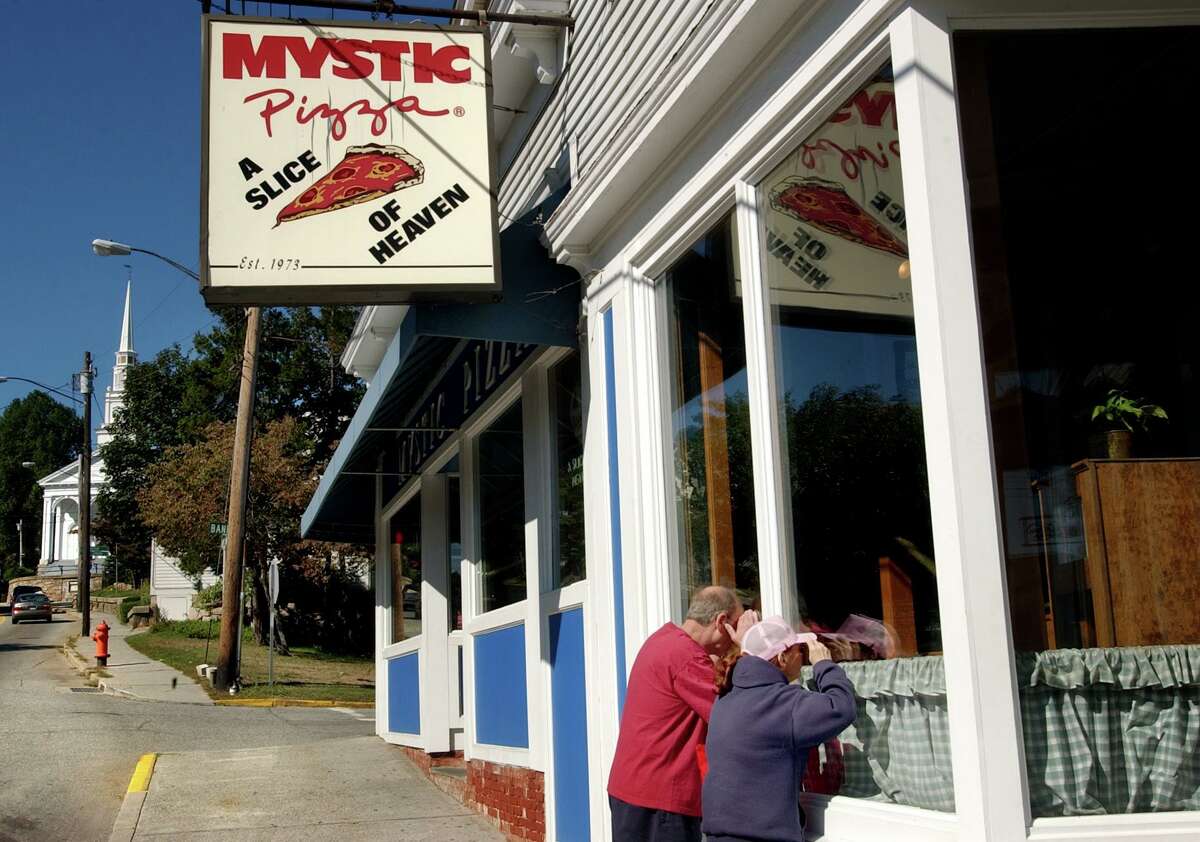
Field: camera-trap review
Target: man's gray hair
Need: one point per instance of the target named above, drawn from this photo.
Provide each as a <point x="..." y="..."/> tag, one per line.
<point x="708" y="603"/>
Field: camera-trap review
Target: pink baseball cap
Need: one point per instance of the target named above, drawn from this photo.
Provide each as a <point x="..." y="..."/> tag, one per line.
<point x="772" y="635"/>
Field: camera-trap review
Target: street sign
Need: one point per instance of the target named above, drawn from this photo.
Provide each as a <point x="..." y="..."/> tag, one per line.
<point x="218" y="529"/>
<point x="273" y="580"/>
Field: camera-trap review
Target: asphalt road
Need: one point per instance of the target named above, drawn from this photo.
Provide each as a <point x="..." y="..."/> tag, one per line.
<point x="66" y="757"/>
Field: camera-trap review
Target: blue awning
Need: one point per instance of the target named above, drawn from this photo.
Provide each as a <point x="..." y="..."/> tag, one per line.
<point x="540" y="305"/>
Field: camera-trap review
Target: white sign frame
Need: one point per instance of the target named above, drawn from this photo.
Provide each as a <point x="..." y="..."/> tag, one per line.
<point x="258" y="282"/>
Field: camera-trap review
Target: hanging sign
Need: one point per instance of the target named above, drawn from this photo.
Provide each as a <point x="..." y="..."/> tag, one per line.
<point x="346" y="163"/>
<point x="836" y="237"/>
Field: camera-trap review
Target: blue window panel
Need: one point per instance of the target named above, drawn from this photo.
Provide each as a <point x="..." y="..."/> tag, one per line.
<point x="568" y="688"/>
<point x="614" y="505"/>
<point x="404" y="695"/>
<point x="501" y="701"/>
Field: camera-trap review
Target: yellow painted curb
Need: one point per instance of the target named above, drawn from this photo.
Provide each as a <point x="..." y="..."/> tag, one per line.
<point x="140" y="782"/>
<point x="290" y="703"/>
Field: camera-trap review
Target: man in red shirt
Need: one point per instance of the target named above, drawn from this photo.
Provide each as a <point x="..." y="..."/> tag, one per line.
<point x="654" y="785"/>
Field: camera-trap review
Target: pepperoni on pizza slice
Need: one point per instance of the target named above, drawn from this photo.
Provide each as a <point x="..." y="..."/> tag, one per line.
<point x="826" y="205"/>
<point x="366" y="173"/>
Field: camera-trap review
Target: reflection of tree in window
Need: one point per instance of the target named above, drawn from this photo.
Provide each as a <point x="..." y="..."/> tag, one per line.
<point x="860" y="496"/>
<point x="714" y="484"/>
<point x="502" y="511"/>
<point x="406" y="571"/>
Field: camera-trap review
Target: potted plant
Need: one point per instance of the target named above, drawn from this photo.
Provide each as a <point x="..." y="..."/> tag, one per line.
<point x="1120" y="415"/>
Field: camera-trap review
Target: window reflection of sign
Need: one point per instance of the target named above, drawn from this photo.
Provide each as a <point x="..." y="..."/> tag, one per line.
<point x="836" y="230"/>
<point x="575" y="471"/>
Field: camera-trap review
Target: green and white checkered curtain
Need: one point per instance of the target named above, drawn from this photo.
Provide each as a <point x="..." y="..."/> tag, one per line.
<point x="1111" y="730"/>
<point x="1106" y="731"/>
<point x="898" y="750"/>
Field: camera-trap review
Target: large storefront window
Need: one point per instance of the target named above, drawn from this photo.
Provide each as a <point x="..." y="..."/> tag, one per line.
<point x="710" y="420"/>
<point x="406" y="571"/>
<point x="502" y="511"/>
<point x="1083" y="217"/>
<point x="566" y="398"/>
<point x="838" y="274"/>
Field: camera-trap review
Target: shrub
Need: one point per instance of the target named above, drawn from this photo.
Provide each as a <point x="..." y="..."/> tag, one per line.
<point x="207" y="597"/>
<point x="127" y="603"/>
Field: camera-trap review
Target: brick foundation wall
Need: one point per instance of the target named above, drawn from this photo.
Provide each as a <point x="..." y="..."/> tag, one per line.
<point x="512" y="797"/>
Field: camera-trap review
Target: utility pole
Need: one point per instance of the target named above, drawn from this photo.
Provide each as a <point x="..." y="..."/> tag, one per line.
<point x="239" y="483"/>
<point x="21" y="543"/>
<point x="85" y="498"/>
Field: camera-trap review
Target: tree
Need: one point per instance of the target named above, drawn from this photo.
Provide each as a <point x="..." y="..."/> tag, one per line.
<point x="171" y="400"/>
<point x="185" y="491"/>
<point x="168" y="402"/>
<point x="37" y="429"/>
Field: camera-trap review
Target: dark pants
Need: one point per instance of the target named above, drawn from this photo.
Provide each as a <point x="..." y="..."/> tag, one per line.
<point x="641" y="824"/>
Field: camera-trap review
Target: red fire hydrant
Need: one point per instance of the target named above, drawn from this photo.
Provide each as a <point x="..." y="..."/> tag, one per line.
<point x="100" y="635"/>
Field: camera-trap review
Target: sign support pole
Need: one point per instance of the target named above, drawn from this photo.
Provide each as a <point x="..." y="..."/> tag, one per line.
<point x="273" y="587"/>
<point x="228" y="648"/>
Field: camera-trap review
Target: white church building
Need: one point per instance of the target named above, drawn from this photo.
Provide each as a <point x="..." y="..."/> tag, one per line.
<point x="60" y="490"/>
<point x="170" y="588"/>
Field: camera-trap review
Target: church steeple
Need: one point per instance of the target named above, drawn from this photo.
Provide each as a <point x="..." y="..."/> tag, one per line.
<point x="114" y="395"/>
<point x="127" y="324"/>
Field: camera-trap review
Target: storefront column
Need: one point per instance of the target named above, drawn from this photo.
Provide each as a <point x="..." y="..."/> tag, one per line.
<point x="435" y="615"/>
<point x="383" y="584"/>
<point x="539" y="550"/>
<point x="980" y="681"/>
<point x="648" y="445"/>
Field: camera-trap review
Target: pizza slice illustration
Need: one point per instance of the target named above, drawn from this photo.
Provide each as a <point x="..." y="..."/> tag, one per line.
<point x="826" y="205"/>
<point x="366" y="173"/>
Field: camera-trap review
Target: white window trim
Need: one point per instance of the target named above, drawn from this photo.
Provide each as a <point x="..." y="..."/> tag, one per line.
<point x="599" y="633"/>
<point x="382" y="588"/>
<point x="404" y="647"/>
<point x="391" y="650"/>
<point x="507" y="617"/>
<point x="838" y="818"/>
<point x="1130" y="827"/>
<point x="435" y="613"/>
<point x="499" y="618"/>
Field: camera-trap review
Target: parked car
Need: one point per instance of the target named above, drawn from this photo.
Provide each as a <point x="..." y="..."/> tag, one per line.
<point x="19" y="591"/>
<point x="32" y="606"/>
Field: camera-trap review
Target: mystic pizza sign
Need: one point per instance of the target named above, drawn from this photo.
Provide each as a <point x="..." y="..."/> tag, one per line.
<point x="346" y="163"/>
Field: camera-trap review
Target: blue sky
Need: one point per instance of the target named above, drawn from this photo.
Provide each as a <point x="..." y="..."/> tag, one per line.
<point x="100" y="137"/>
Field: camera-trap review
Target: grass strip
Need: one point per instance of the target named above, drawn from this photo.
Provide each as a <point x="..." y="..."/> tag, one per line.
<point x="305" y="674"/>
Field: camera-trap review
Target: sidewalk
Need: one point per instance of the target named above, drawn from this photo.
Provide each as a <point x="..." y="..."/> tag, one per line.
<point x="345" y="789"/>
<point x="133" y="674"/>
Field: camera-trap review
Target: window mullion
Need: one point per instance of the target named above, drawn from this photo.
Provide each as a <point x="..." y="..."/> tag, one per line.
<point x="772" y="502"/>
<point x="980" y="682"/>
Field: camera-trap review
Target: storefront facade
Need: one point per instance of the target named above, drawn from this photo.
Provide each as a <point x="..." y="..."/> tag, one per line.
<point x="853" y="296"/>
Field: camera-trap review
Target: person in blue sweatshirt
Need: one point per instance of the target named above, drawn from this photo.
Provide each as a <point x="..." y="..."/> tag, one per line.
<point x="761" y="731"/>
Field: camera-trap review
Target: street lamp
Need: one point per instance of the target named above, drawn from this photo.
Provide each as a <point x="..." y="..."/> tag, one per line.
<point x="109" y="248"/>
<point x="6" y="378"/>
